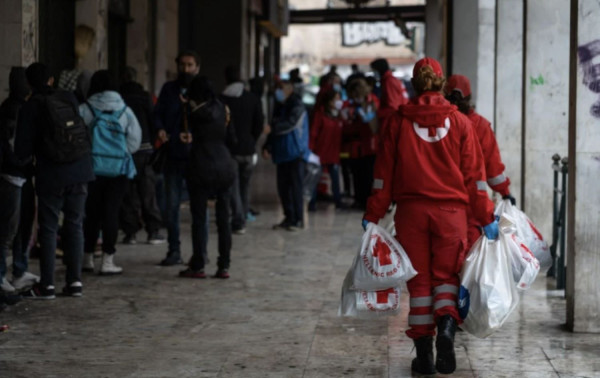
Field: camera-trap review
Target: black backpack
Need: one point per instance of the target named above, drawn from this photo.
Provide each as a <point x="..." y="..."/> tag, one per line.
<point x="65" y="137"/>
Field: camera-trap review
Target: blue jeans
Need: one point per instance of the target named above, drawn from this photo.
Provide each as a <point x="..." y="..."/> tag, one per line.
<point x="10" y="205"/>
<point x="71" y="200"/>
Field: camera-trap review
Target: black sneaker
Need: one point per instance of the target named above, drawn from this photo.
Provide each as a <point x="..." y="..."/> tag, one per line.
<point x="129" y="239"/>
<point x="295" y="226"/>
<point x="222" y="274"/>
<point x="282" y="226"/>
<point x="10" y="299"/>
<point x="155" y="238"/>
<point x="75" y="289"/>
<point x="39" y="292"/>
<point x="171" y="259"/>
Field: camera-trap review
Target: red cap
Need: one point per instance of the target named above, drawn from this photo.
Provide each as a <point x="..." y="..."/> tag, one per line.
<point x="434" y="64"/>
<point x="458" y="83"/>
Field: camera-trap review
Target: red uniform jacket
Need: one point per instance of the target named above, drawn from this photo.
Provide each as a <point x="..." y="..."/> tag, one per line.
<point x="393" y="95"/>
<point x="326" y="137"/>
<point x="494" y="168"/>
<point x="358" y="139"/>
<point x="430" y="151"/>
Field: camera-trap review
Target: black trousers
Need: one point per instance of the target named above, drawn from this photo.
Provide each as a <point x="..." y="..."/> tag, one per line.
<point x="102" y="212"/>
<point x="363" y="175"/>
<point x="139" y="208"/>
<point x="198" y="200"/>
<point x="290" y="176"/>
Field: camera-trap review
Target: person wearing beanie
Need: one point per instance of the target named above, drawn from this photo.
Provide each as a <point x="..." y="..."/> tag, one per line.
<point x="430" y="164"/>
<point x="458" y="92"/>
<point x="17" y="199"/>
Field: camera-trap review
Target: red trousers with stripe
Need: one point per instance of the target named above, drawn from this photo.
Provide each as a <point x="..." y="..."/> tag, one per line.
<point x="434" y="235"/>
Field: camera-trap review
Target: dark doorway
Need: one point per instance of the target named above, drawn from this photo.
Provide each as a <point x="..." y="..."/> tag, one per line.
<point x="118" y="18"/>
<point x="57" y="34"/>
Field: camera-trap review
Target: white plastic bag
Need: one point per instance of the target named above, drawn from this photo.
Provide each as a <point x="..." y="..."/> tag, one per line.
<point x="525" y="266"/>
<point x="528" y="233"/>
<point x="381" y="262"/>
<point x="368" y="304"/>
<point x="488" y="293"/>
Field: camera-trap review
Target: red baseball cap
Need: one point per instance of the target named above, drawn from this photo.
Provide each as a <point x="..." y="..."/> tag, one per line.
<point x="427" y="61"/>
<point x="458" y="83"/>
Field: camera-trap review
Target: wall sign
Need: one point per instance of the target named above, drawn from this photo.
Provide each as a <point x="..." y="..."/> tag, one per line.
<point x="356" y="33"/>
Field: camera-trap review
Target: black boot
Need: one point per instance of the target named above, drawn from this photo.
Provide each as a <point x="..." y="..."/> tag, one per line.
<point x="423" y="363"/>
<point x="444" y="344"/>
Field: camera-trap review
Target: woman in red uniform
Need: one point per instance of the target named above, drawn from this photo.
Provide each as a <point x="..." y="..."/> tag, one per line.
<point x="326" y="141"/>
<point x="431" y="165"/>
<point x="458" y="92"/>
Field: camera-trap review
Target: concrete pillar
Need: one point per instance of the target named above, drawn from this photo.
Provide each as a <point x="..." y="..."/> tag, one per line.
<point x="465" y="40"/>
<point x="167" y="46"/>
<point x="484" y="92"/>
<point x="138" y="37"/>
<point x="509" y="72"/>
<point x="18" y="37"/>
<point x="546" y="104"/>
<point x="583" y="266"/>
<point x="435" y="30"/>
<point x="94" y="13"/>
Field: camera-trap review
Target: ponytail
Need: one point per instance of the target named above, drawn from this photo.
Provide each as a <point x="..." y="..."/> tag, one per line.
<point x="427" y="81"/>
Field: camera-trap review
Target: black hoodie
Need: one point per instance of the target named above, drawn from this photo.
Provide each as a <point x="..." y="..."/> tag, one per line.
<point x="9" y="111"/>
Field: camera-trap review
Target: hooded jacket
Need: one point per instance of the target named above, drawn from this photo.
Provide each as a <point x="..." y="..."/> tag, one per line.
<point x="393" y="92"/>
<point x="246" y="118"/>
<point x="110" y="101"/>
<point x="494" y="168"/>
<point x="211" y="165"/>
<point x="430" y="151"/>
<point x="11" y="168"/>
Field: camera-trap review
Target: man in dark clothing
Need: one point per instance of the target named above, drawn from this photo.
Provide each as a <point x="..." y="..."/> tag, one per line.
<point x="59" y="186"/>
<point x="140" y="201"/>
<point x="170" y="122"/>
<point x="247" y="120"/>
<point x="288" y="145"/>
<point x="17" y="200"/>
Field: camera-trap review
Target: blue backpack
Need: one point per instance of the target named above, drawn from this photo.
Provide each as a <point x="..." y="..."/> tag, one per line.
<point x="109" y="145"/>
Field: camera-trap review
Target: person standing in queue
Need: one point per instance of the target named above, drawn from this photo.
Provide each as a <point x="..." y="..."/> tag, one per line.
<point x="431" y="164"/>
<point x="458" y="92"/>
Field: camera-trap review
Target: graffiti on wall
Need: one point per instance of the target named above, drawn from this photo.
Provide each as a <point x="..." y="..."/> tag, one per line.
<point x="589" y="60"/>
<point x="356" y="33"/>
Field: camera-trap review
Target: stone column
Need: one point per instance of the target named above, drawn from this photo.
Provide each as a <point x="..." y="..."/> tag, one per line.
<point x="509" y="72"/>
<point x="435" y="30"/>
<point x="583" y="266"/>
<point x="18" y="37"/>
<point x="138" y="37"/>
<point x="465" y="41"/>
<point x="167" y="45"/>
<point x="546" y="104"/>
<point x="94" y="13"/>
<point x="483" y="88"/>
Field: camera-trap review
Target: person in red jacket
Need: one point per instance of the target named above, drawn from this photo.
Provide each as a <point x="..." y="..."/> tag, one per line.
<point x="393" y="92"/>
<point x="361" y="130"/>
<point x="458" y="92"/>
<point x="431" y="165"/>
<point x="326" y="141"/>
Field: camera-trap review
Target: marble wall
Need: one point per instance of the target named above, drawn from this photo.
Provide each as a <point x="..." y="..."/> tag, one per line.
<point x="94" y="13"/>
<point x="583" y="296"/>
<point x="15" y="30"/>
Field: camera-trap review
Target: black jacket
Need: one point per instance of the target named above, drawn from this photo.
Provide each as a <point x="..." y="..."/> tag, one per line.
<point x="9" y="111"/>
<point x="140" y="103"/>
<point x="49" y="174"/>
<point x="247" y="119"/>
<point x="211" y="164"/>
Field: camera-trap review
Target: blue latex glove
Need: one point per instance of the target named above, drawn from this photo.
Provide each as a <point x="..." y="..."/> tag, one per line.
<point x="365" y="223"/>
<point x="491" y="230"/>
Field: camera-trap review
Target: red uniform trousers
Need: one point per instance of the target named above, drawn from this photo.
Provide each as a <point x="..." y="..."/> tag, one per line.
<point x="434" y="235"/>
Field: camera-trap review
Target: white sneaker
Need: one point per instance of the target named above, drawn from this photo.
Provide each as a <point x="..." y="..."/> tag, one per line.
<point x="6" y="287"/>
<point x="108" y="266"/>
<point x="26" y="281"/>
<point x="88" y="262"/>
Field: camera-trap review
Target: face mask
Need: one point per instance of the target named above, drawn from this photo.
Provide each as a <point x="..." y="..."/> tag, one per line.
<point x="337" y="87"/>
<point x="279" y="95"/>
<point x="334" y="112"/>
<point x="339" y="104"/>
<point x="377" y="75"/>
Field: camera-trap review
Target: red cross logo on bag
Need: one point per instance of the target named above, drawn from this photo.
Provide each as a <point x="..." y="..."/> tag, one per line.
<point x="382" y="252"/>
<point x="383" y="295"/>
